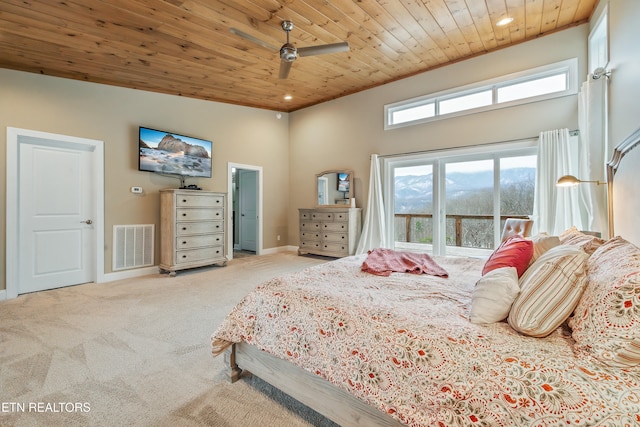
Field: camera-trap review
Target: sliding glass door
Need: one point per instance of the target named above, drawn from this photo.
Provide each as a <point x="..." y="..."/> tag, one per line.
<point x="455" y="202"/>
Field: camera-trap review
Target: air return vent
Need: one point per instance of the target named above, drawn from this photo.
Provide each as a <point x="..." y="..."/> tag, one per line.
<point x="133" y="246"/>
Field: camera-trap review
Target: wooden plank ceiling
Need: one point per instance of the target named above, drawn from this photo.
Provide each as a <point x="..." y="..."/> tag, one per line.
<point x="185" y="47"/>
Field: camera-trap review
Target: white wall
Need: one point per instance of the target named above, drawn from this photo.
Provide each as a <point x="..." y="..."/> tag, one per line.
<point x="341" y="134"/>
<point x="624" y="61"/>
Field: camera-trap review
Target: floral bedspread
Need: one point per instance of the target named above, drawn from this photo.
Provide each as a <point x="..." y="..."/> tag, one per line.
<point x="404" y="344"/>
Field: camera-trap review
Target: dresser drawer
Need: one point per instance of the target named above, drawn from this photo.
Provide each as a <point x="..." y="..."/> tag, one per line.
<point x="310" y="244"/>
<point x="199" y="241"/>
<point x="341" y="216"/>
<point x="335" y="226"/>
<point x="187" y="228"/>
<point x="199" y="201"/>
<point x="199" y="214"/>
<point x="305" y="215"/>
<point x="310" y="226"/>
<point x="335" y="237"/>
<point x="309" y="235"/>
<point x="202" y="254"/>
<point x="322" y="216"/>
<point x="336" y="248"/>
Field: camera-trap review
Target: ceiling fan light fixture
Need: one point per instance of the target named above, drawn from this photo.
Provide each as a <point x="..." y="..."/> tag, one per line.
<point x="504" y="21"/>
<point x="288" y="52"/>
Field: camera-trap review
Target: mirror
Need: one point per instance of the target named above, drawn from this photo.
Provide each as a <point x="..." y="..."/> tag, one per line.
<point x="334" y="188"/>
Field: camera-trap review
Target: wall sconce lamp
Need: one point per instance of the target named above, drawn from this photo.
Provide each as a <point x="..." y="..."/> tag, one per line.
<point x="571" y="181"/>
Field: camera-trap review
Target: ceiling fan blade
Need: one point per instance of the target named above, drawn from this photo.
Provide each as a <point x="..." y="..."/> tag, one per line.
<point x="285" y="67"/>
<point x="324" y="48"/>
<point x="254" y="39"/>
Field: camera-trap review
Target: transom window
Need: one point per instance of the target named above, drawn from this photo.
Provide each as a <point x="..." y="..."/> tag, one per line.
<point x="550" y="81"/>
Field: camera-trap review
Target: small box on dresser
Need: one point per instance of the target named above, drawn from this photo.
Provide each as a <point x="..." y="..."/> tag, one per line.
<point x="192" y="229"/>
<point x="330" y="232"/>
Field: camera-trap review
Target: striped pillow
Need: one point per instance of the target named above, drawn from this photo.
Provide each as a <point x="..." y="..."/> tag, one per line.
<point x="606" y="322"/>
<point x="549" y="291"/>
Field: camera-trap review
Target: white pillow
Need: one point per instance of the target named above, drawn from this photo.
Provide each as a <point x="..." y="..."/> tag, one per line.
<point x="542" y="243"/>
<point x="493" y="295"/>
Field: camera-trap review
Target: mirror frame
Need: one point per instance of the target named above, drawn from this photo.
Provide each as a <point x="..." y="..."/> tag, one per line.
<point x="351" y="188"/>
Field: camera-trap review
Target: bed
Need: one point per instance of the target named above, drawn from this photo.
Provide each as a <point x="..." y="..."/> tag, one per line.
<point x="409" y="349"/>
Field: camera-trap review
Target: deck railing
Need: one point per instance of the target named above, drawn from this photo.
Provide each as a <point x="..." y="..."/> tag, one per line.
<point x="458" y="227"/>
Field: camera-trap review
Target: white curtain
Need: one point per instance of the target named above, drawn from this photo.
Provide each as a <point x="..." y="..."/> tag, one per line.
<point x="592" y="121"/>
<point x="374" y="229"/>
<point x="555" y="209"/>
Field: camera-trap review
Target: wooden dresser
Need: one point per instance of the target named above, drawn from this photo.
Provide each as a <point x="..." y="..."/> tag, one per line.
<point x="330" y="231"/>
<point x="192" y="229"/>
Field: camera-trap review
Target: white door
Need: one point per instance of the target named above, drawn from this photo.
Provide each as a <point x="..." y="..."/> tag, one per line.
<point x="248" y="207"/>
<point x="56" y="218"/>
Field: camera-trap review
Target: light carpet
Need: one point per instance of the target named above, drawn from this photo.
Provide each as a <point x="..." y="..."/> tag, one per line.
<point x="136" y="352"/>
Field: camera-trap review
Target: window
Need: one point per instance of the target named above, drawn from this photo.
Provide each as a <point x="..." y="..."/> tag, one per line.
<point x="456" y="201"/>
<point x="599" y="42"/>
<point x="551" y="81"/>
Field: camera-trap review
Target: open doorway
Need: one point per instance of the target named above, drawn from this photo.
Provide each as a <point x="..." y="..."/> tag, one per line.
<point x="245" y="225"/>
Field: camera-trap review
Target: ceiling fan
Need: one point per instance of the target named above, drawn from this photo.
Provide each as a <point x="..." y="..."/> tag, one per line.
<point x="288" y="52"/>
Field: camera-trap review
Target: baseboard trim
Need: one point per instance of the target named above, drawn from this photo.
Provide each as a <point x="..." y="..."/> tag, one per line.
<point x="278" y="249"/>
<point x="128" y="274"/>
<point x="3" y="295"/>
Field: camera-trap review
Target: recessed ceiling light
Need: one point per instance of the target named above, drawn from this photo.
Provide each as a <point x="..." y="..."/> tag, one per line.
<point x="504" y="21"/>
<point x="288" y="97"/>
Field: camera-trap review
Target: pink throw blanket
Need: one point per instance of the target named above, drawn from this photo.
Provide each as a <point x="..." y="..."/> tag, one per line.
<point x="383" y="262"/>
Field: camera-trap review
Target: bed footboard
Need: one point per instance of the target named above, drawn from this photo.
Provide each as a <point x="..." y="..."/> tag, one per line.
<point x="310" y="390"/>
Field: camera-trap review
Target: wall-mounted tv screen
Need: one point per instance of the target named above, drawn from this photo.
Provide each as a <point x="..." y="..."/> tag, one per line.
<point x="174" y="154"/>
<point x="343" y="182"/>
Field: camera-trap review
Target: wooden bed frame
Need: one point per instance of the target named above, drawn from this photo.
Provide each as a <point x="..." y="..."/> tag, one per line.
<point x="335" y="403"/>
<point x="318" y="394"/>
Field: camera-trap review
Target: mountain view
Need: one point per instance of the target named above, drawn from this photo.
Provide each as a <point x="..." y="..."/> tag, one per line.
<point x="413" y="193"/>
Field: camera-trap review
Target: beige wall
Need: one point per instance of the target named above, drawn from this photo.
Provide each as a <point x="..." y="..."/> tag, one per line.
<point x="344" y="132"/>
<point x="240" y="135"/>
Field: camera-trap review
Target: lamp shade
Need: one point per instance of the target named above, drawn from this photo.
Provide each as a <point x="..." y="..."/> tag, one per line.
<point x="568" y="181"/>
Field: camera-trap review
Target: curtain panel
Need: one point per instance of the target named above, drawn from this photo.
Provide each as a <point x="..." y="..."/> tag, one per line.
<point x="374" y="228"/>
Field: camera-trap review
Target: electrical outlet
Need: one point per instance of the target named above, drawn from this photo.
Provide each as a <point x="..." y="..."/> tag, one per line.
<point x="278" y="237"/>
<point x="136" y="190"/>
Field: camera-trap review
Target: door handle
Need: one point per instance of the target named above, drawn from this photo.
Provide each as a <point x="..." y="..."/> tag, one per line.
<point x="87" y="222"/>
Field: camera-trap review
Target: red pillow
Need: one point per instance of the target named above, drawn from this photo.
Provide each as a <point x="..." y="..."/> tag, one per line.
<point x="516" y="252"/>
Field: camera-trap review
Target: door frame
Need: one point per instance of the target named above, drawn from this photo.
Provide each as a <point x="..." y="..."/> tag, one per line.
<point x="12" y="201"/>
<point x="258" y="169"/>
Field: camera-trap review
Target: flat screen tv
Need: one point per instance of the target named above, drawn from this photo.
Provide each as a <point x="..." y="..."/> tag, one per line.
<point x="343" y="182"/>
<point x="174" y="154"/>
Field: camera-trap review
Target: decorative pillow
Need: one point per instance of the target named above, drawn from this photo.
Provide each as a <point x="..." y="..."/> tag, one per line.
<point x="606" y="322"/>
<point x="542" y="243"/>
<point x="516" y="252"/>
<point x="549" y="291"/>
<point x="493" y="295"/>
<point x="577" y="238"/>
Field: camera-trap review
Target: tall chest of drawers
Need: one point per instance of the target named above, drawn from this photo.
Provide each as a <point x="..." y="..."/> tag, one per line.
<point x="329" y="231"/>
<point x="192" y="229"/>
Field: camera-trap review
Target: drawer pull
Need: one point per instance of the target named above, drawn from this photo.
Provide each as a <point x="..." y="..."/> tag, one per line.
<point x="184" y="243"/>
<point x="184" y="200"/>
<point x="184" y="228"/>
<point x="184" y="256"/>
<point x="184" y="214"/>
